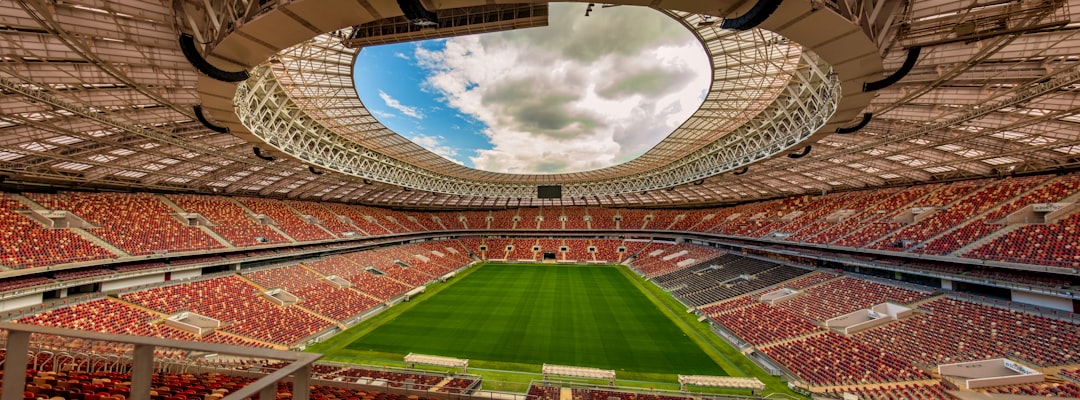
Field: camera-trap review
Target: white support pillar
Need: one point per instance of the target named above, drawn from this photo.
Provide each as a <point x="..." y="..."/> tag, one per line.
<point x="18" y="344"/>
<point x="142" y="372"/>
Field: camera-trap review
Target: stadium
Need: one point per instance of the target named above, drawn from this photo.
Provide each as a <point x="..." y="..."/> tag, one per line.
<point x="875" y="199"/>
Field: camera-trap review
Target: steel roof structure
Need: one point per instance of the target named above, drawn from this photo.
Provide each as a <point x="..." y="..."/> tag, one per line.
<point x="99" y="94"/>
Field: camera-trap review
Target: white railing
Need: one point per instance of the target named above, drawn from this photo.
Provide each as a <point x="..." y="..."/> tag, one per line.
<point x="142" y="355"/>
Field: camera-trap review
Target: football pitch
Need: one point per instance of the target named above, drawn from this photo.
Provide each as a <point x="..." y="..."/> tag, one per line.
<point x="590" y="316"/>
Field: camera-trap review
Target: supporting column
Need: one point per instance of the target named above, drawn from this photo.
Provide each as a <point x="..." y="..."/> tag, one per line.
<point x="301" y="388"/>
<point x="18" y="344"/>
<point x="143" y="372"/>
<point x="269" y="392"/>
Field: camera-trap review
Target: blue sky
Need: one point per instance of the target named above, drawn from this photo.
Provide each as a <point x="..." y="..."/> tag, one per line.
<point x="580" y="94"/>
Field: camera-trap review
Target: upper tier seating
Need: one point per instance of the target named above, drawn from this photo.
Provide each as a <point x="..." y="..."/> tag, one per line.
<point x="231" y="221"/>
<point x="830" y="359"/>
<point x="691" y="219"/>
<point x="286" y="218"/>
<point x="863" y="205"/>
<point x="663" y="219"/>
<point x="575" y="218"/>
<point x="844" y="295"/>
<point x="424" y="220"/>
<point x="958" y="212"/>
<point x="364" y="218"/>
<point x="137" y="223"/>
<point x="27" y="244"/>
<point x="602" y="217"/>
<point x="238" y="305"/>
<point x="328" y="218"/>
<point x="450" y="219"/>
<point x="1056" y="244"/>
<point x="504" y="219"/>
<point x="528" y="218"/>
<point x="552" y="217"/>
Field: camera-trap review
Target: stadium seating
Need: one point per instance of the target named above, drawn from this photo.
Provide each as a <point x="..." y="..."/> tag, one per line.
<point x="450" y="220"/>
<point x="829" y="359"/>
<point x="28" y="244"/>
<point x="898" y="392"/>
<point x="691" y="219"/>
<point x="1053" y="191"/>
<point x="315" y="293"/>
<point x="816" y="211"/>
<point x="237" y="305"/>
<point x="578" y="250"/>
<point x="669" y="257"/>
<point x="967" y="207"/>
<point x="1053" y="244"/>
<point x="542" y="392"/>
<point x="423" y="220"/>
<point x="761" y="324"/>
<point x="575" y="218"/>
<point x="761" y="274"/>
<point x="632" y="218"/>
<point x="552" y="217"/>
<point x="882" y="210"/>
<point x="108" y="316"/>
<point x="528" y="218"/>
<point x="287" y="220"/>
<point x="607" y="250"/>
<point x="523" y="249"/>
<point x="662" y="219"/>
<point x="329" y="219"/>
<point x="138" y="224"/>
<point x="602" y="217"/>
<point x="13" y="284"/>
<point x="1065" y="389"/>
<point x="841" y="296"/>
<point x="392" y="220"/>
<point x="83" y="273"/>
<point x="504" y="219"/>
<point x="476" y="220"/>
<point x="954" y="330"/>
<point x="363" y="217"/>
<point x="231" y="221"/>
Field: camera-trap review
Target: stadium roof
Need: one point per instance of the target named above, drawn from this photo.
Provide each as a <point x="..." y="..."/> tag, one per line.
<point x="98" y="94"/>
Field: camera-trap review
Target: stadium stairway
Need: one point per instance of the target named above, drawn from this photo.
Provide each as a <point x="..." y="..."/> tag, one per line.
<point x="820" y="331"/>
<point x="90" y="237"/>
<point x="986" y="239"/>
<point x="976" y="217"/>
<point x="83" y="233"/>
<point x="205" y="229"/>
<point x="272" y="227"/>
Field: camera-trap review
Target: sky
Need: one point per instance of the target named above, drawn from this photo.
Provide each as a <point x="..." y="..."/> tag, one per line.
<point x="580" y="94"/>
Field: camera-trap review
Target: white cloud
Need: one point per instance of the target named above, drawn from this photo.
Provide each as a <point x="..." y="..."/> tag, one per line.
<point x="437" y="145"/>
<point x="583" y="94"/>
<point x="402" y="56"/>
<point x="395" y="104"/>
<point x="382" y="115"/>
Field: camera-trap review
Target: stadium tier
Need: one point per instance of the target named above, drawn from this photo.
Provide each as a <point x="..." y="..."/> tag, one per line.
<point x="1022" y="221"/>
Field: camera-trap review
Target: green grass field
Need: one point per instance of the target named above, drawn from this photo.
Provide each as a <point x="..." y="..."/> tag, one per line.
<point x="533" y="314"/>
